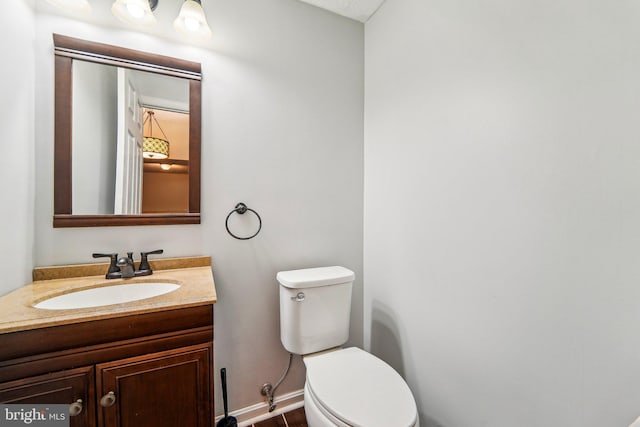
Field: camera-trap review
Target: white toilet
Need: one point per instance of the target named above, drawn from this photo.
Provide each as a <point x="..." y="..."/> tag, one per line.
<point x="344" y="387"/>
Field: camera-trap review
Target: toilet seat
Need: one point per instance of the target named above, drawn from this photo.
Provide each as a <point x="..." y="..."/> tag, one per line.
<point x="359" y="390"/>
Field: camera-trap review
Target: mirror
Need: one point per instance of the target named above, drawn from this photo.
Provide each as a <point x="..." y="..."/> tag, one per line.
<point x="127" y="137"/>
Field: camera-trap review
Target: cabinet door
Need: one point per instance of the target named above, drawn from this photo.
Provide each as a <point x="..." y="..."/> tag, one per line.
<point x="73" y="386"/>
<point x="167" y="389"/>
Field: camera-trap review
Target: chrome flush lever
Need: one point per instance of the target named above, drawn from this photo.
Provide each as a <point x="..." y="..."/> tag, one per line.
<point x="299" y="297"/>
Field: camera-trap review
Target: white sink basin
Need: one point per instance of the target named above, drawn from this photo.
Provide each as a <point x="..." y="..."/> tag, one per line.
<point x="107" y="295"/>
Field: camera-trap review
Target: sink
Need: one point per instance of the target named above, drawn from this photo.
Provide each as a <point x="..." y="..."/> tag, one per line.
<point x="107" y="295"/>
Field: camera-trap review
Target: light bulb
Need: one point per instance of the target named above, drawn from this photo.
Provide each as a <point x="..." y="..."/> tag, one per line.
<point x="191" y="24"/>
<point x="165" y="166"/>
<point x="192" y="21"/>
<point x="135" y="10"/>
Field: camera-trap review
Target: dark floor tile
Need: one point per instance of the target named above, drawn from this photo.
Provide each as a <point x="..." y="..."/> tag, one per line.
<point x="277" y="421"/>
<point x="296" y="418"/>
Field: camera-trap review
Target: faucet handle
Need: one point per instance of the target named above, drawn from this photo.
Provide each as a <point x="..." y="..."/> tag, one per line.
<point x="96" y="255"/>
<point x="113" y="268"/>
<point x="144" y="262"/>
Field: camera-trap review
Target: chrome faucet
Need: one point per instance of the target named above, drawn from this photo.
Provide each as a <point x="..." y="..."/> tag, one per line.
<point x="124" y="267"/>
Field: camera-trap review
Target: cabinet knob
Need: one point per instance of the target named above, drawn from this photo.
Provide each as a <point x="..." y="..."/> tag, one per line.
<point x="75" y="408"/>
<point x="108" y="399"/>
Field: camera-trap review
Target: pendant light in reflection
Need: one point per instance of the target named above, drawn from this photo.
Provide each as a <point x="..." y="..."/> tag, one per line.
<point x="153" y="147"/>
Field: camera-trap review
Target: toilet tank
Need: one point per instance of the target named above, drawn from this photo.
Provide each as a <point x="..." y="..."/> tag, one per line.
<point x="315" y="307"/>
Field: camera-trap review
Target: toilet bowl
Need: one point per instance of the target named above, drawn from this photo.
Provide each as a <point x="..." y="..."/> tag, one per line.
<point x="350" y="387"/>
<point x="344" y="387"/>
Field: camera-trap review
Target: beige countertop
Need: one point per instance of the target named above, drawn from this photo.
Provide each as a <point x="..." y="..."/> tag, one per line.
<point x="17" y="312"/>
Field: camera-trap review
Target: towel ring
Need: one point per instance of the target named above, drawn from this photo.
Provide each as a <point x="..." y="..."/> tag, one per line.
<point x="241" y="209"/>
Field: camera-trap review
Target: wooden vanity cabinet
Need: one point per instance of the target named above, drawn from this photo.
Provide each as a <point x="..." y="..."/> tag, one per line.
<point x="145" y="370"/>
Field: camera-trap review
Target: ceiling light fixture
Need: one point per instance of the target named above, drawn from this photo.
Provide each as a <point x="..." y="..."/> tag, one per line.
<point x="152" y="147"/>
<point x="80" y="6"/>
<point x="137" y="12"/>
<point x="192" y="21"/>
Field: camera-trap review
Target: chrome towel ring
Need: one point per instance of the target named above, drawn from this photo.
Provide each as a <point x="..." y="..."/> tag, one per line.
<point x="241" y="209"/>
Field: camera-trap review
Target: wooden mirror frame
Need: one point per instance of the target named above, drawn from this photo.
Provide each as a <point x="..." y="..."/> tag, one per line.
<point x="66" y="50"/>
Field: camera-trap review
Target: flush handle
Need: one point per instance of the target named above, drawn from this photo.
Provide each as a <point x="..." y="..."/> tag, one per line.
<point x="108" y="399"/>
<point x="299" y="297"/>
<point x="75" y="408"/>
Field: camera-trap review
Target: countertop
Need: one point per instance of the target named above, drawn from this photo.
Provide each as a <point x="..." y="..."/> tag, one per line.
<point x="17" y="314"/>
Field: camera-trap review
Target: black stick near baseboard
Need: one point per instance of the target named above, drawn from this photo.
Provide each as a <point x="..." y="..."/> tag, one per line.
<point x="227" y="421"/>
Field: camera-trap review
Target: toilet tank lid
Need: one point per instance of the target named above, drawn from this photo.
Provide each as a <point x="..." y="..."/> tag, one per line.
<point x="314" y="277"/>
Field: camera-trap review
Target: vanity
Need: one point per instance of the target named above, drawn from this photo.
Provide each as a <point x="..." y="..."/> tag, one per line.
<point x="147" y="362"/>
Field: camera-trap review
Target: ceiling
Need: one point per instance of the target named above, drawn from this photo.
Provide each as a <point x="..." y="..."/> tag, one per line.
<point x="360" y="10"/>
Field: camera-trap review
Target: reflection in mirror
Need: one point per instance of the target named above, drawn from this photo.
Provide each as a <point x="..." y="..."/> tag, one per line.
<point x="165" y="182"/>
<point x="127" y="136"/>
<point x="130" y="141"/>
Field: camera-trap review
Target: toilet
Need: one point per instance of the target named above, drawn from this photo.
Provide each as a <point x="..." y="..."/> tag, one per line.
<point x="345" y="387"/>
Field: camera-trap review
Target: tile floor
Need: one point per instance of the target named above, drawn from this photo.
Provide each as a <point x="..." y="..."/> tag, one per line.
<point x="294" y="418"/>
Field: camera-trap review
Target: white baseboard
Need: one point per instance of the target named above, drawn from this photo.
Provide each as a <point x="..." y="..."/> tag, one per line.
<point x="260" y="411"/>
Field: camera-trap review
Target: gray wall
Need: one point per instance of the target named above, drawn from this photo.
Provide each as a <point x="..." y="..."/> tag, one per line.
<point x="502" y="208"/>
<point x="16" y="122"/>
<point x="95" y="116"/>
<point x="282" y="131"/>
